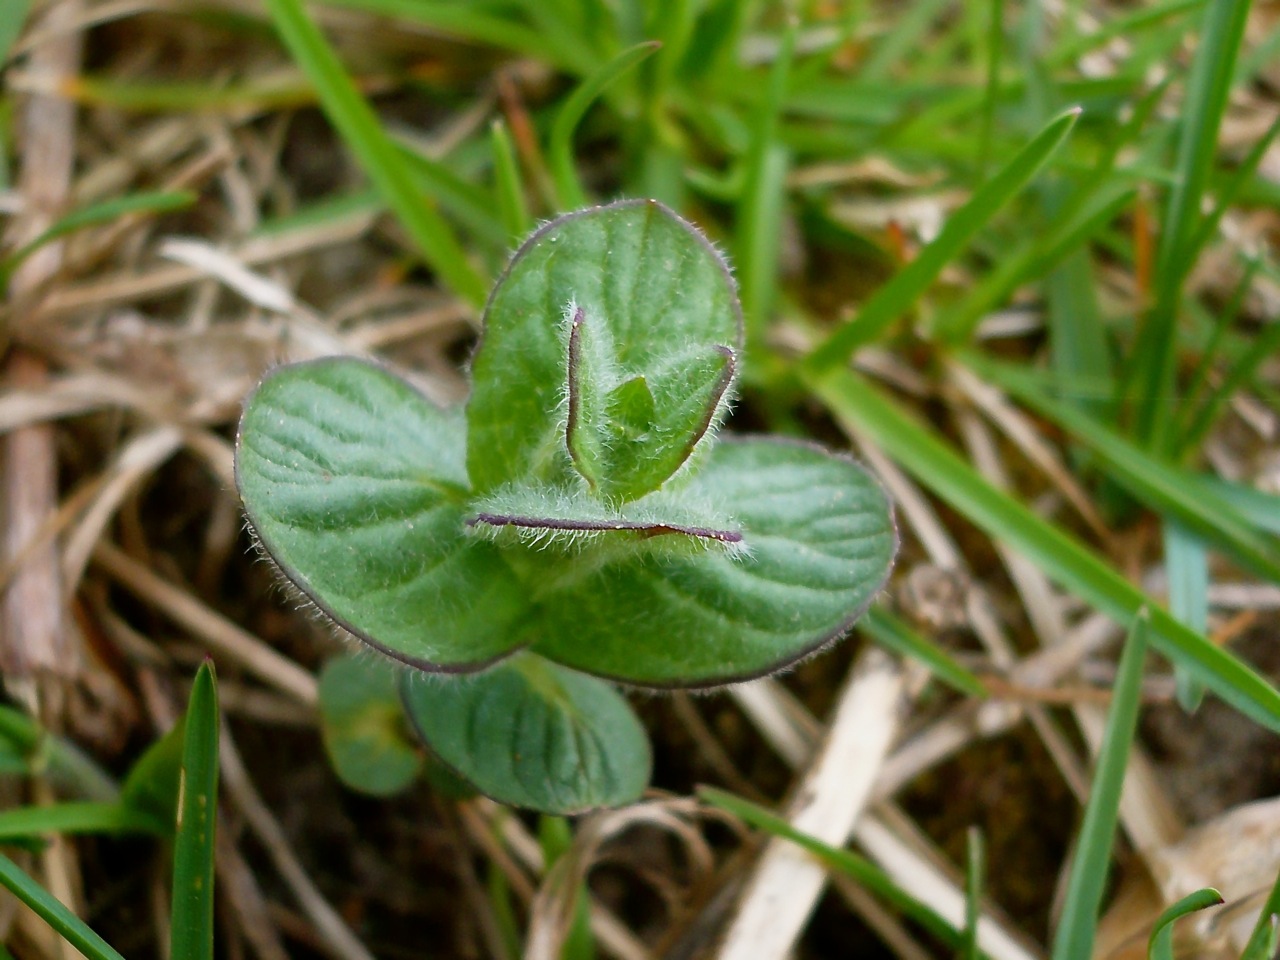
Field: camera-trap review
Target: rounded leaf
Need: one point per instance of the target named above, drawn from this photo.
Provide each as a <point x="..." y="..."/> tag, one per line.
<point x="363" y="726"/>
<point x="608" y="353"/>
<point x="533" y="734"/>
<point x="818" y="540"/>
<point x="356" y="486"/>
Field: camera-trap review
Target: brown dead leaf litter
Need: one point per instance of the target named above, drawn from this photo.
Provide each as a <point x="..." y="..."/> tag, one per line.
<point x="128" y="351"/>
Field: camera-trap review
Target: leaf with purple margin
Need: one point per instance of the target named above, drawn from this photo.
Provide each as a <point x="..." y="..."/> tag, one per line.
<point x="530" y="733"/>
<point x="356" y="486"/>
<point x="818" y="540"/>
<point x="595" y="309"/>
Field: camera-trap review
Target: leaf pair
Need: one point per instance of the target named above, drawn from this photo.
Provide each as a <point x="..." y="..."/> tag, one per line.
<point x="579" y="512"/>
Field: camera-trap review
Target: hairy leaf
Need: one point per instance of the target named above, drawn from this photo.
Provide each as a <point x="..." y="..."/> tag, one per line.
<point x="530" y="733"/>
<point x="363" y="726"/>
<point x="356" y="486"/>
<point x="608" y="353"/>
<point x="818" y="541"/>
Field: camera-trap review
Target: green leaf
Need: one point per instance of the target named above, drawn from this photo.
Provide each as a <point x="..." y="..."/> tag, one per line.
<point x="533" y="734"/>
<point x="857" y="867"/>
<point x="1266" y="932"/>
<point x="191" y="916"/>
<point x="658" y="301"/>
<point x="70" y="927"/>
<point x="893" y="634"/>
<point x="76" y="818"/>
<point x="356" y="486"/>
<point x="818" y="541"/>
<point x="627" y="438"/>
<point x="362" y="724"/>
<point x="152" y="785"/>
<point x="1087" y="880"/>
<point x="1160" y="944"/>
<point x="94" y="214"/>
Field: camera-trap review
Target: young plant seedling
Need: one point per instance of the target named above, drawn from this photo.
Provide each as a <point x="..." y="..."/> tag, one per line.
<point x="578" y="525"/>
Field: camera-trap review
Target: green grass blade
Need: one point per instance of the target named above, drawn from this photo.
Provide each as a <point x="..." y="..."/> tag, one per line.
<point x="758" y="217"/>
<point x="191" y="920"/>
<point x="513" y="207"/>
<point x="560" y="147"/>
<point x="1187" y="563"/>
<point x="15" y="15"/>
<point x="974" y="868"/>
<point x="1159" y="485"/>
<point x="94" y="214"/>
<point x="380" y="158"/>
<point x="1231" y="190"/>
<point x="995" y="52"/>
<point x="1087" y="881"/>
<point x="1062" y="557"/>
<point x="62" y="762"/>
<point x="468" y="203"/>
<point x="77" y="818"/>
<point x="464" y="21"/>
<point x="1264" y="347"/>
<point x="860" y="869"/>
<point x="890" y="632"/>
<point x="892" y="300"/>
<point x="1266" y="932"/>
<point x="68" y="926"/>
<point x="1160" y="944"/>
<point x="1206" y="100"/>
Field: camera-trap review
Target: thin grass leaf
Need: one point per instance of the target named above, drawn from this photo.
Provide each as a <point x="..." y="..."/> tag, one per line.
<point x="1077" y="926"/>
<point x="509" y="188"/>
<point x="975" y="865"/>
<point x="1258" y="507"/>
<point x="995" y="51"/>
<point x="504" y="914"/>
<point x="1264" y="347"/>
<point x="1230" y="191"/>
<point x="1206" y="100"/>
<point x="94" y="214"/>
<point x="191" y="916"/>
<point x="1187" y="564"/>
<point x="1161" y="486"/>
<point x="53" y="912"/>
<point x="467" y="202"/>
<point x="380" y="158"/>
<point x="1198" y="395"/>
<point x="15" y="15"/>
<point x="858" y="868"/>
<point x="556" y="839"/>
<point x="890" y="632"/>
<point x="1160" y="944"/>
<point x="63" y="763"/>
<point x="465" y="21"/>
<point x="560" y="158"/>
<point x="1063" y="558"/>
<point x="78" y="818"/>
<point x="1265" y="937"/>
<point x="758" y="218"/>
<point x="892" y="300"/>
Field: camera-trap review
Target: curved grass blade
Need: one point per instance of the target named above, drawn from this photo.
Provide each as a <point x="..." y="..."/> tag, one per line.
<point x="892" y="300"/>
<point x="94" y="214"/>
<point x="847" y="862"/>
<point x="1160" y="486"/>
<point x="1160" y="944"/>
<point x="1212" y="72"/>
<point x="78" y="818"/>
<point x="892" y="633"/>
<point x="1067" y="561"/>
<point x="53" y="912"/>
<point x="191" y="917"/>
<point x="560" y="147"/>
<point x="512" y="205"/>
<point x="381" y="159"/>
<point x="1077" y="926"/>
<point x="1266" y="932"/>
<point x="65" y="764"/>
